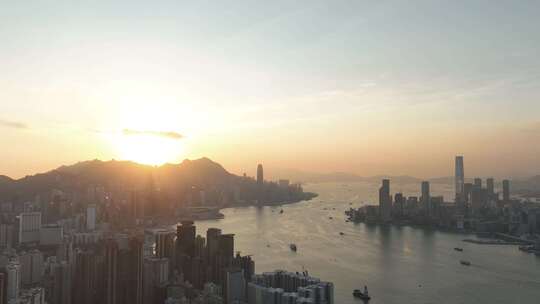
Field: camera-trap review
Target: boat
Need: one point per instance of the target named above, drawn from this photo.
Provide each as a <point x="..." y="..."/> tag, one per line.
<point x="357" y="293"/>
<point x="341" y="233"/>
<point x="526" y="248"/>
<point x="293" y="247"/>
<point x="466" y="263"/>
<point x="458" y="249"/>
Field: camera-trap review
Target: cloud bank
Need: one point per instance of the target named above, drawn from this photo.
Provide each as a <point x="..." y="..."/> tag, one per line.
<point x="12" y="124"/>
<point x="165" y="134"/>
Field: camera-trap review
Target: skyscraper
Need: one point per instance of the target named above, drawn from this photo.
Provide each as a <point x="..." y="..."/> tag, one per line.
<point x="212" y="246"/>
<point x="260" y="183"/>
<point x="3" y="287"/>
<point x="111" y="271"/>
<point x="156" y="274"/>
<point x="260" y="174"/>
<point x="399" y="204"/>
<point x="478" y="182"/>
<point x="130" y="272"/>
<point x="29" y="226"/>
<point x="91" y="217"/>
<point x="425" y="198"/>
<point x="124" y="271"/>
<point x="87" y="278"/>
<point x="385" y="201"/>
<point x="459" y="176"/>
<point x="235" y="286"/>
<point x="226" y="248"/>
<point x="212" y="242"/>
<point x="62" y="283"/>
<point x="478" y="199"/>
<point x="165" y="244"/>
<point x="185" y="238"/>
<point x="13" y="270"/>
<point x="506" y="190"/>
<point x="31" y="266"/>
<point x="490" y="185"/>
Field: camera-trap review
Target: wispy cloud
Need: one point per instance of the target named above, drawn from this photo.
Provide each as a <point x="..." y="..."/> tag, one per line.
<point x="166" y="134"/>
<point x="12" y="124"/>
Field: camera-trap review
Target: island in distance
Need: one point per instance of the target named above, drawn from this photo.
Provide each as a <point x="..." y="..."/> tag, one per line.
<point x="128" y="193"/>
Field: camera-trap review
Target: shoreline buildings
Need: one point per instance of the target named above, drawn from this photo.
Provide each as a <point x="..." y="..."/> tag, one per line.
<point x="477" y="207"/>
<point x="459" y="178"/>
<point x="280" y="287"/>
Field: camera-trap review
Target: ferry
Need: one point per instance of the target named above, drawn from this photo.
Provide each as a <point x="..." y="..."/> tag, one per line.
<point x="466" y="263"/>
<point x="458" y="249"/>
<point x="357" y="293"/>
<point x="293" y="247"/>
<point x="526" y="248"/>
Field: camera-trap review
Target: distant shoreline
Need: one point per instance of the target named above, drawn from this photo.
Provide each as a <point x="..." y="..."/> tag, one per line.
<point x="215" y="214"/>
<point x="307" y="196"/>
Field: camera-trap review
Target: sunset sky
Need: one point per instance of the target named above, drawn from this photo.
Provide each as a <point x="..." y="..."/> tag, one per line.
<point x="370" y="87"/>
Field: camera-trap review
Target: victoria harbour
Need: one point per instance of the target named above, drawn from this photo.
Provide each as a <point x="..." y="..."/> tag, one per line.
<point x="399" y="264"/>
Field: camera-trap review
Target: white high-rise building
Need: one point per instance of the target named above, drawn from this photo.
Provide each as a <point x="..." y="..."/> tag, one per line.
<point x="91" y="217"/>
<point x="286" y="287"/>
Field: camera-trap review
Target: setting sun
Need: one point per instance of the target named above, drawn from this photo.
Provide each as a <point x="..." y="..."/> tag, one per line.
<point x="147" y="134"/>
<point x="148" y="148"/>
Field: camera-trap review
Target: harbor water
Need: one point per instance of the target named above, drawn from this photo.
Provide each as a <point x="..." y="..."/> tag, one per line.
<point x="398" y="264"/>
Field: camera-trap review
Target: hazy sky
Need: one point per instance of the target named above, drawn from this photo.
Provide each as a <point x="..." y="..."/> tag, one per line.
<point x="372" y="87"/>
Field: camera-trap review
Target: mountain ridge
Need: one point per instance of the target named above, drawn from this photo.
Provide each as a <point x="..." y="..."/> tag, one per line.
<point x="125" y="174"/>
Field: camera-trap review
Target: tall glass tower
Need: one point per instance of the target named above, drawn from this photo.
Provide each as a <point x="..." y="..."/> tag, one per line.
<point x="260" y="174"/>
<point x="460" y="176"/>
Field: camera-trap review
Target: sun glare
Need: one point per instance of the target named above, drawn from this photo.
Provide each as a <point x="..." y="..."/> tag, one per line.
<point x="149" y="149"/>
<point x="147" y="134"/>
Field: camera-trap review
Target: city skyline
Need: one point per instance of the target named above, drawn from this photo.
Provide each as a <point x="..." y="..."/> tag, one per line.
<point x="269" y="152"/>
<point x="275" y="174"/>
<point x="365" y="87"/>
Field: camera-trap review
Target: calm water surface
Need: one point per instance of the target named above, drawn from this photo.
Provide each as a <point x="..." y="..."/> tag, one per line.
<point x="398" y="264"/>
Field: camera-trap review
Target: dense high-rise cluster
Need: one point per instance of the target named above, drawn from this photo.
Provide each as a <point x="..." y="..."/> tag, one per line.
<point x="135" y="266"/>
<point x="477" y="206"/>
<point x="281" y="287"/>
<point x="90" y="238"/>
